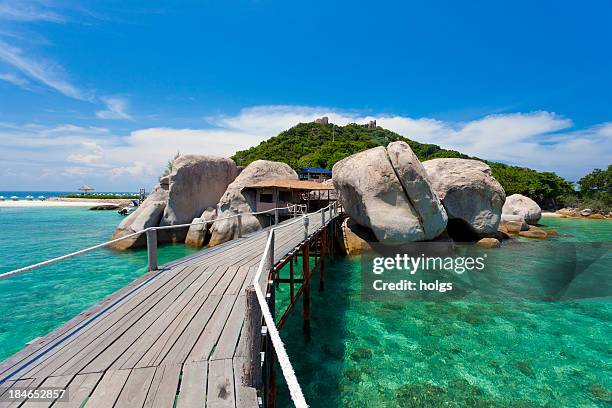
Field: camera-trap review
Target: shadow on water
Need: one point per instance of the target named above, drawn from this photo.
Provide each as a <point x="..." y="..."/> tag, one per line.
<point x="318" y="359"/>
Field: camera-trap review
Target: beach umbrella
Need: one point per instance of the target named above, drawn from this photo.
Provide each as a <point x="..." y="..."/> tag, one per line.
<point x="86" y="188"/>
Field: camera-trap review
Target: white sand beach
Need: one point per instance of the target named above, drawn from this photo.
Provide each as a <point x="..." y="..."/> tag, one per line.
<point x="49" y="203"/>
<point x="62" y="202"/>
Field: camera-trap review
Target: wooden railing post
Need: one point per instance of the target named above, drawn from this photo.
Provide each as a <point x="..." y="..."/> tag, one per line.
<point x="306" y="227"/>
<point x="276" y="216"/>
<point x="239" y="225"/>
<point x="152" y="248"/>
<point x="323" y="217"/>
<point x="252" y="371"/>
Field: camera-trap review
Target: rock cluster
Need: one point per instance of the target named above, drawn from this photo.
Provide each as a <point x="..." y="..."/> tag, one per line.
<point x="401" y="200"/>
<point x="194" y="184"/>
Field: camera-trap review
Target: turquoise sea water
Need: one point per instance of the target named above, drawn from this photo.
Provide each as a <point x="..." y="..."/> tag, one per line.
<point x="506" y="353"/>
<point x="38" y="301"/>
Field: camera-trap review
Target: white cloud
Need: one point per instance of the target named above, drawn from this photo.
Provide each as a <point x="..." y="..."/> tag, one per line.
<point x="540" y="140"/>
<point x="28" y="11"/>
<point x="14" y="79"/>
<point x="116" y="108"/>
<point x="46" y="72"/>
<point x="92" y="153"/>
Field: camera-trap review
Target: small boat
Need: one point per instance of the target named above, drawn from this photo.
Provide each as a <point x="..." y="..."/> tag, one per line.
<point x="15" y="198"/>
<point x="130" y="209"/>
<point x="29" y="197"/>
<point x="42" y="198"/>
<point x="1" y="198"/>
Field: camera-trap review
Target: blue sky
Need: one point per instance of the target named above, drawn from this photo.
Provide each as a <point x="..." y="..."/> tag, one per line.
<point x="105" y="92"/>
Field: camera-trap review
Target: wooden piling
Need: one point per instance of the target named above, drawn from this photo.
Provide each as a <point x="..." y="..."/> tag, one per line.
<point x="291" y="280"/>
<point x="306" y="275"/>
<point x="322" y="262"/>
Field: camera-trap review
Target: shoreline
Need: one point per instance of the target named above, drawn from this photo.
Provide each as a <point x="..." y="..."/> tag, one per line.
<point x="63" y="202"/>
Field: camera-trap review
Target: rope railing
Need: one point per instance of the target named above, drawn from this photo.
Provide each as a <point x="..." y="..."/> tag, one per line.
<point x="152" y="258"/>
<point x="295" y="389"/>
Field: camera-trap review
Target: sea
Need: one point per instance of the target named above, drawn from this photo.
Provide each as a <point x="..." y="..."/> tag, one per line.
<point x="506" y="352"/>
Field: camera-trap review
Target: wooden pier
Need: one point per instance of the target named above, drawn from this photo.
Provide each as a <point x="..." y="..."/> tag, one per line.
<point x="179" y="336"/>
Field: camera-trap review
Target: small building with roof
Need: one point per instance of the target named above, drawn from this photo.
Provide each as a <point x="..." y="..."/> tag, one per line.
<point x="317" y="174"/>
<point x="279" y="193"/>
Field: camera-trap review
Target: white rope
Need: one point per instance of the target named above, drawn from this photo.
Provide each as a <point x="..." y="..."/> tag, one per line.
<point x="297" y="396"/>
<point x="283" y="359"/>
<point x="83" y="251"/>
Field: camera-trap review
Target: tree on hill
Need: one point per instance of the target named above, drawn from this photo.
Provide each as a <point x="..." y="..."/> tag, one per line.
<point x="322" y="145"/>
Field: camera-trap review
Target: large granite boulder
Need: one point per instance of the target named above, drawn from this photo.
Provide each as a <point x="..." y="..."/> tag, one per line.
<point x="388" y="192"/>
<point x="194" y="184"/>
<point x="236" y="200"/>
<point x="473" y="199"/>
<point x="149" y="214"/>
<point x="518" y="204"/>
<point x="199" y="231"/>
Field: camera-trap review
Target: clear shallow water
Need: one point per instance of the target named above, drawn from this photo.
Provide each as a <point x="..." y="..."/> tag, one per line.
<point x="38" y="301"/>
<point x="474" y="354"/>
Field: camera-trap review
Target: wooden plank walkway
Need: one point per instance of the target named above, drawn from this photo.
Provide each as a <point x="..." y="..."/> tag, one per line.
<point x="170" y="337"/>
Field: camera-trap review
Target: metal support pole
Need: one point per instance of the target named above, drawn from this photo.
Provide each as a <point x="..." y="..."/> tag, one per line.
<point x="239" y="225"/>
<point x="306" y="221"/>
<point x="152" y="249"/>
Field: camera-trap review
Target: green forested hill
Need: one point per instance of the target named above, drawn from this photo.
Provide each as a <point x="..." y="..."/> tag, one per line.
<point x="317" y="145"/>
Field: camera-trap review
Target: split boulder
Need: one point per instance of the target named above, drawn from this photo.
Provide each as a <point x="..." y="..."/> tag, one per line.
<point x="387" y="191"/>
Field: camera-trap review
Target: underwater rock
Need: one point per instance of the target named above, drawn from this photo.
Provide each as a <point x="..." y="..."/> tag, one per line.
<point x="488" y="243"/>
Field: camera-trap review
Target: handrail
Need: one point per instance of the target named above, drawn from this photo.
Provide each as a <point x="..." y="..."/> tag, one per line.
<point x="283" y="358"/>
<point x="83" y="251"/>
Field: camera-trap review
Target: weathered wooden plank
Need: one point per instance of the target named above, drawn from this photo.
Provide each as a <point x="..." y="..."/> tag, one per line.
<point x="230" y="332"/>
<point x="193" y="385"/>
<point x="92" y="336"/>
<point x="136" y="388"/>
<point x="181" y="348"/>
<point x="79" y="390"/>
<point x="108" y="389"/>
<point x="162" y="392"/>
<point x="169" y="331"/>
<point x="144" y="330"/>
<point x="220" y="393"/>
<point x="208" y="338"/>
<point x="245" y="396"/>
<point x="152" y="281"/>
